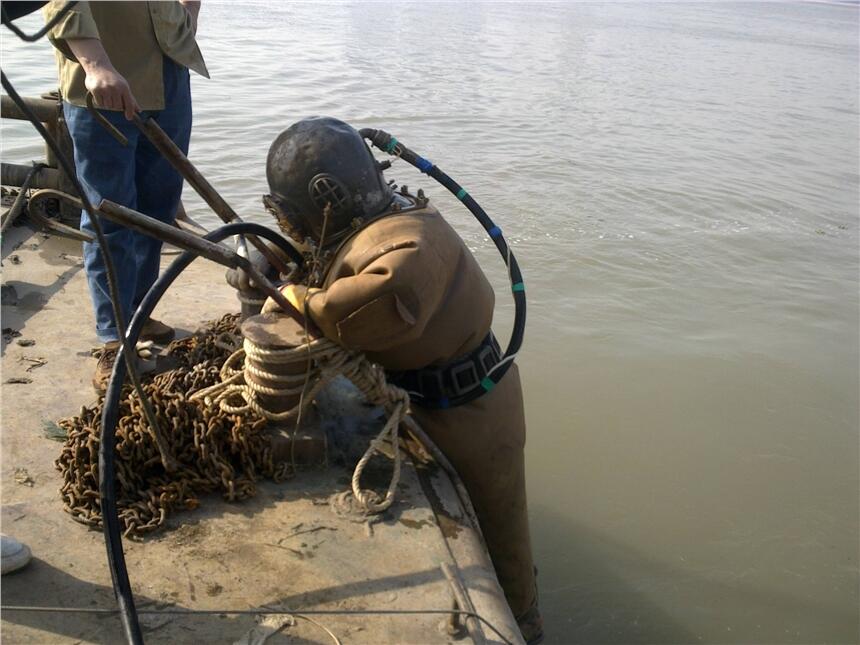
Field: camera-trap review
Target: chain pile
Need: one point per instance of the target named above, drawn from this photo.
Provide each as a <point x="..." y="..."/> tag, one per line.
<point x="213" y="450"/>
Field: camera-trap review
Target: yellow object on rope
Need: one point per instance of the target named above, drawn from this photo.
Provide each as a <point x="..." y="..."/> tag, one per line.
<point x="297" y="295"/>
<point x="328" y="360"/>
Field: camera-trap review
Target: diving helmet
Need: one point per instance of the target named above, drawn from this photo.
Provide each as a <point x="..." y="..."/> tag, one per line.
<point x="323" y="180"/>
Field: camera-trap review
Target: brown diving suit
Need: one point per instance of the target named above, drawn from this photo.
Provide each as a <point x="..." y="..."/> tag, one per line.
<point x="407" y="292"/>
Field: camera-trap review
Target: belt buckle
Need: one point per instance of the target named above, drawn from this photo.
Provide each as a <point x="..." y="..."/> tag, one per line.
<point x="488" y="355"/>
<point x="469" y="368"/>
<point x="487" y="359"/>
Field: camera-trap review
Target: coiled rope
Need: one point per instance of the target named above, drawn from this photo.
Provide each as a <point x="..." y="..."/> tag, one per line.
<point x="238" y="393"/>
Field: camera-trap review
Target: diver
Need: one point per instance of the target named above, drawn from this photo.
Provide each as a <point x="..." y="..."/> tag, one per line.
<point x="394" y="280"/>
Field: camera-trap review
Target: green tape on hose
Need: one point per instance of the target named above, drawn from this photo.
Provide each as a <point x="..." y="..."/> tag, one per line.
<point x="487" y="383"/>
<point x="519" y="286"/>
<point x="461" y="194"/>
<point x="391" y="145"/>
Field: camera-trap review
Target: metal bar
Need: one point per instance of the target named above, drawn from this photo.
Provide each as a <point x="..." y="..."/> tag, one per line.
<point x="187" y="241"/>
<point x="53" y="129"/>
<point x="166" y="233"/>
<point x="186" y="223"/>
<point x="216" y="252"/>
<point x="198" y="182"/>
<point x="170" y="151"/>
<point x="107" y="125"/>
<point x="149" y="226"/>
<point x="44" y="109"/>
<point x="18" y="205"/>
<point x="13" y="174"/>
<point x="465" y="603"/>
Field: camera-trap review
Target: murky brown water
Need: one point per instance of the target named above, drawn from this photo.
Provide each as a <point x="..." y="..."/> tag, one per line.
<point x="680" y="185"/>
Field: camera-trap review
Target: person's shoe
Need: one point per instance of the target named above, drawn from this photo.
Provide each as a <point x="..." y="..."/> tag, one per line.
<point x="14" y="555"/>
<point x="157" y="332"/>
<point x="531" y="626"/>
<point x="105" y="366"/>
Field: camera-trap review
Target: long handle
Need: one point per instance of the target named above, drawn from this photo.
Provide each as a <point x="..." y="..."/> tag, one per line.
<point x="217" y="253"/>
<point x="165" y="145"/>
<point x="190" y="242"/>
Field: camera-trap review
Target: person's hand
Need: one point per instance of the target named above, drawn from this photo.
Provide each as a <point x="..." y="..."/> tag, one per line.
<point x="110" y="90"/>
<point x="108" y="87"/>
<point x="296" y="295"/>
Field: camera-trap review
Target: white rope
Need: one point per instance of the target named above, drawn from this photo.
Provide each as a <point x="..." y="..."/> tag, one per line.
<point x="326" y="361"/>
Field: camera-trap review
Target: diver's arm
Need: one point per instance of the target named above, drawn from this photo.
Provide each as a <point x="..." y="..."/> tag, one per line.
<point x="386" y="303"/>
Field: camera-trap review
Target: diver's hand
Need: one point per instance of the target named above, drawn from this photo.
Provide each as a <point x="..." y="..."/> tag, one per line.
<point x="240" y="280"/>
<point x="296" y="294"/>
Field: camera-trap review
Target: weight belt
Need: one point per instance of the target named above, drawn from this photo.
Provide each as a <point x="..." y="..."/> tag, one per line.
<point x="437" y="386"/>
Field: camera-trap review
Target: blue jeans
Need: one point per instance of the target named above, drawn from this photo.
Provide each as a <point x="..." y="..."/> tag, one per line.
<point x="136" y="176"/>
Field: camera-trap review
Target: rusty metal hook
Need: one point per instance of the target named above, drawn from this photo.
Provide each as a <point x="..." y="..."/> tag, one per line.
<point x="36" y="210"/>
<point x="107" y="125"/>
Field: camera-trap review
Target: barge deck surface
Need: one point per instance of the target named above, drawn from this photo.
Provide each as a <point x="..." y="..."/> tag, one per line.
<point x="284" y="548"/>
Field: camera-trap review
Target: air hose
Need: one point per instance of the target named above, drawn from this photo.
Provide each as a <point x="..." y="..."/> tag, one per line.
<point x="110" y="416"/>
<point x="130" y="623"/>
<point x="132" y="628"/>
<point x="392" y="146"/>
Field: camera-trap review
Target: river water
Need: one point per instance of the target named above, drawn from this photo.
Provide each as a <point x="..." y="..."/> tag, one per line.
<point x="680" y="185"/>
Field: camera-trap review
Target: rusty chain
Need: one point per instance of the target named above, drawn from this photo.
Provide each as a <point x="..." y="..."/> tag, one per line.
<point x="214" y="450"/>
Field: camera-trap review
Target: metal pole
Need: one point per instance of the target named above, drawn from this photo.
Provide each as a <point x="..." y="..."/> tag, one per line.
<point x="44" y="109"/>
<point x="165" y="145"/>
<point x="13" y="174"/>
<point x="198" y="182"/>
<point x="18" y="205"/>
<point x="216" y="252"/>
<point x="465" y="603"/>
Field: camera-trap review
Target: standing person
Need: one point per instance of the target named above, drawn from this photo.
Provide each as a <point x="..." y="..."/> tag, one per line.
<point x="132" y="57"/>
<point x="399" y="284"/>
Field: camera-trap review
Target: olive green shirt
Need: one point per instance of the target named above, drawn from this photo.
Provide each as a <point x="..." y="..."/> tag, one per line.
<point x="135" y="36"/>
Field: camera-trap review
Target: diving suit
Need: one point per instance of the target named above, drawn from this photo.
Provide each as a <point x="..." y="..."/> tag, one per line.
<point x="395" y="281"/>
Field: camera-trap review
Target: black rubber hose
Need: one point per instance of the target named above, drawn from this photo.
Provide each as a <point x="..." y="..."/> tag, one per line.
<point x="132" y="631"/>
<point x="110" y="416"/>
<point x="129" y="617"/>
<point x="392" y="146"/>
<point x="12" y="11"/>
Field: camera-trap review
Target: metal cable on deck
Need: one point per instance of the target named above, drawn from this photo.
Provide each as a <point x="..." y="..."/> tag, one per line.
<point x="263" y="612"/>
